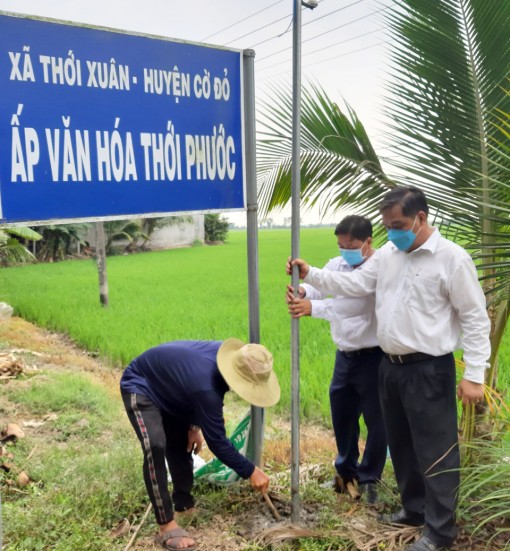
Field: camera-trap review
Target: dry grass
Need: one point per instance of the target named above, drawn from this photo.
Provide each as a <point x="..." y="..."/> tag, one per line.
<point x="57" y="351"/>
<point x="315" y="443"/>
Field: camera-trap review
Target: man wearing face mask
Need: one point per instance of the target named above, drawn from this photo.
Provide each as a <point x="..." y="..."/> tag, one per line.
<point x="428" y="304"/>
<point x="353" y="391"/>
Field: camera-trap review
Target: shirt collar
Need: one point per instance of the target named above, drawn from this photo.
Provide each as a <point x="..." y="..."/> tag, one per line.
<point x="431" y="243"/>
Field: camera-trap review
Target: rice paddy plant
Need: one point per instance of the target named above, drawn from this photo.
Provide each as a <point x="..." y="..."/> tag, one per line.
<point x="191" y="293"/>
<point x="194" y="293"/>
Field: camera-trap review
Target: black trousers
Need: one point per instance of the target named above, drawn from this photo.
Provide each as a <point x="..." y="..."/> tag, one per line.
<point x="162" y="437"/>
<point x="418" y="400"/>
<point x="353" y="392"/>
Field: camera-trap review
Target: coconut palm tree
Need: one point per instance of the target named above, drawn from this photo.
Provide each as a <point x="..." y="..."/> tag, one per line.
<point x="122" y="230"/>
<point x="11" y="248"/>
<point x="450" y="64"/>
<point x="60" y="241"/>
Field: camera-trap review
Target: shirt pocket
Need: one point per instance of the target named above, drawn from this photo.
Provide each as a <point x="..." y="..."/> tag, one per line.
<point x="426" y="294"/>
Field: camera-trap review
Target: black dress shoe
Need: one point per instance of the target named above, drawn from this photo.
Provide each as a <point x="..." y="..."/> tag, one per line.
<point x="425" y="544"/>
<point x="368" y="491"/>
<point x="402" y="517"/>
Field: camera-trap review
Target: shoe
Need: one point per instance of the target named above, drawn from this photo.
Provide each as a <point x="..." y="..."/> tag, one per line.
<point x="425" y="544"/>
<point x="368" y="491"/>
<point x="171" y="539"/>
<point x="402" y="517"/>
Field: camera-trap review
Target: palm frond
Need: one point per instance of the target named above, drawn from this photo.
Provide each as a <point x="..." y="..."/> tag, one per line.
<point x="23" y="232"/>
<point x="450" y="60"/>
<point x="12" y="251"/>
<point x="338" y="162"/>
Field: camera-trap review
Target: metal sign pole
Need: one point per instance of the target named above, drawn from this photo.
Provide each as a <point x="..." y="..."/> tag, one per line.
<point x="296" y="186"/>
<point x="257" y="414"/>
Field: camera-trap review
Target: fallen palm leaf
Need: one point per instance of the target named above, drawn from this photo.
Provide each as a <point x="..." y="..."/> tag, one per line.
<point x="287" y="532"/>
<point x="370" y="535"/>
<point x="367" y="535"/>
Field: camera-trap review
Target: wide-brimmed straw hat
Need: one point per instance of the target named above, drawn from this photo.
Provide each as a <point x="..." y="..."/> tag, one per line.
<point x="248" y="370"/>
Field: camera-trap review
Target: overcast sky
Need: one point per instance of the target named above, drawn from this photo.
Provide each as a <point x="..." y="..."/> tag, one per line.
<point x="343" y="41"/>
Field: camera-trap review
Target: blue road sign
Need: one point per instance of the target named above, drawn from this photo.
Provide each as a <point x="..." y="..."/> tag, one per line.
<point x="97" y="123"/>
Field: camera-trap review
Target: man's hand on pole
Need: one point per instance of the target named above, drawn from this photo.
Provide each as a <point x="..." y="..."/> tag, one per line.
<point x="303" y="267"/>
<point x="290" y="296"/>
<point x="298" y="306"/>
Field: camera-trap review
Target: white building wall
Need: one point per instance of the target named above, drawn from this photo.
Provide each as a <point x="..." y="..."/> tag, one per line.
<point x="182" y="234"/>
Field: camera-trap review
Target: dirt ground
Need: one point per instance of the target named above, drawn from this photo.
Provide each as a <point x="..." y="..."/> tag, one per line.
<point x="248" y="520"/>
<point x="41" y="350"/>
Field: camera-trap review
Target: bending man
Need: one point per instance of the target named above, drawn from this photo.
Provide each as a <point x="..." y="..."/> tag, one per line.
<point x="174" y="392"/>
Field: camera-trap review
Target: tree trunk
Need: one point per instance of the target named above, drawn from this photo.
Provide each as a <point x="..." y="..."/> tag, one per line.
<point x="101" y="264"/>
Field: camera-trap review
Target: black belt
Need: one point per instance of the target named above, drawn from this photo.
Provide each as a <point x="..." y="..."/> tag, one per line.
<point x="360" y="352"/>
<point x="406" y="358"/>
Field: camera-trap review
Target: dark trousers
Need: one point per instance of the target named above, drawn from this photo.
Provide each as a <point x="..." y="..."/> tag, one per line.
<point x="162" y="437"/>
<point x="353" y="392"/>
<point x="420" y="412"/>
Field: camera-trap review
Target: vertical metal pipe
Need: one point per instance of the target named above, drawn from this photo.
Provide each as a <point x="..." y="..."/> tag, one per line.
<point x="295" y="186"/>
<point x="257" y="414"/>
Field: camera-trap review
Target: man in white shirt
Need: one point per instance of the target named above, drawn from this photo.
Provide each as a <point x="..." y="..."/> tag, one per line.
<point x="353" y="391"/>
<point x="428" y="304"/>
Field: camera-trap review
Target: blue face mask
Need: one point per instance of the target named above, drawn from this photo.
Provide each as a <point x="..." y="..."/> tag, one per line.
<point x="353" y="257"/>
<point x="402" y="239"/>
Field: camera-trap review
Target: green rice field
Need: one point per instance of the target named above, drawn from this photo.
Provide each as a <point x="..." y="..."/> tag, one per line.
<point x="190" y="293"/>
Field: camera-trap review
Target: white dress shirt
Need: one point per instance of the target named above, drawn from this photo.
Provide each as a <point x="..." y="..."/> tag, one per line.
<point x="352" y="320"/>
<point x="428" y="300"/>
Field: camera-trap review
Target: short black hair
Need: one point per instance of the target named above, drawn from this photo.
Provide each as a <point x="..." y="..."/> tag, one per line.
<point x="358" y="227"/>
<point x="411" y="201"/>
